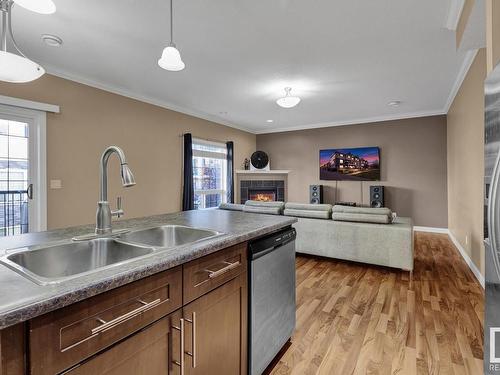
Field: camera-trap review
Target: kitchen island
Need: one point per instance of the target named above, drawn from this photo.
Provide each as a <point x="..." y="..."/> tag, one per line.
<point x="178" y="284"/>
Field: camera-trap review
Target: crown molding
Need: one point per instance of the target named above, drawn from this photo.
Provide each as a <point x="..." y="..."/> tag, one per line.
<point x="360" y="121"/>
<point x="466" y="64"/>
<point x="142" y="98"/>
<point x="454" y="13"/>
<point x="462" y="73"/>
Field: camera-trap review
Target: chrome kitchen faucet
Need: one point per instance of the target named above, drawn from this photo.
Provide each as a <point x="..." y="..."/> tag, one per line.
<point x="104" y="212"/>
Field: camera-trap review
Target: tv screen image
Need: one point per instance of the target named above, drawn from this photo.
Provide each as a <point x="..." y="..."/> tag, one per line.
<point x="353" y="164"/>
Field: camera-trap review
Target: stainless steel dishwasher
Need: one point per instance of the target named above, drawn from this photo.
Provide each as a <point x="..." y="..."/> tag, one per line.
<point x="271" y="297"/>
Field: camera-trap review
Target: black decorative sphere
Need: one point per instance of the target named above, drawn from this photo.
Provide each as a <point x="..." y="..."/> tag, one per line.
<point x="259" y="159"/>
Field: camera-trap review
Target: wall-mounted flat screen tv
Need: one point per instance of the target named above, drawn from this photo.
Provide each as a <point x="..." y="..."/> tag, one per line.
<point x="353" y="164"/>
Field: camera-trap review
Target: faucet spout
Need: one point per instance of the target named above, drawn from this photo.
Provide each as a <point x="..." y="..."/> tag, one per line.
<point x="104" y="213"/>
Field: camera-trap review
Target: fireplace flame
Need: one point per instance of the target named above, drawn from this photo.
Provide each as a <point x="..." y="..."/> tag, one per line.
<point x="264" y="197"/>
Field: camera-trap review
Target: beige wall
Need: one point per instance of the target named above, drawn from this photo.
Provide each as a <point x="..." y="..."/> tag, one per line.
<point x="492" y="34"/>
<point x="92" y="119"/>
<point x="413" y="164"/>
<point x="466" y="162"/>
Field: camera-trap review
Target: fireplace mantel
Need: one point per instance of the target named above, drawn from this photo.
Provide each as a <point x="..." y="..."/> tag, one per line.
<point x="272" y="171"/>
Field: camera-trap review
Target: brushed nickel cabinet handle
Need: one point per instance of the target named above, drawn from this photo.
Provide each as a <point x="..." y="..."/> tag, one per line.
<point x="229" y="267"/>
<point x="182" y="348"/>
<point x="122" y="318"/>
<point x="192" y="354"/>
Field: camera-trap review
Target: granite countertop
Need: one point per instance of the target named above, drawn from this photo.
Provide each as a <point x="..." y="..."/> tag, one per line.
<point x="22" y="299"/>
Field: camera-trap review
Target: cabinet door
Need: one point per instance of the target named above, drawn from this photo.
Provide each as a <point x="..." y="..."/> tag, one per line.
<point x="218" y="343"/>
<point x="149" y="352"/>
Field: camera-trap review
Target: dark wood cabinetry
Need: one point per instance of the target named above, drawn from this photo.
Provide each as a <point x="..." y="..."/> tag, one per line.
<point x="218" y="344"/>
<point x="189" y="320"/>
<point x="150" y="351"/>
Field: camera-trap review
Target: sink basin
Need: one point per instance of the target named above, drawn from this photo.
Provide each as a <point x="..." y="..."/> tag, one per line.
<point x="167" y="236"/>
<point x="61" y="262"/>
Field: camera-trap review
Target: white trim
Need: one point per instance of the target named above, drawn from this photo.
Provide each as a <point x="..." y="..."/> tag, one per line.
<point x="142" y="98"/>
<point x="454" y="13"/>
<point x="467" y="259"/>
<point x="37" y="161"/>
<point x="256" y="171"/>
<point x="462" y="73"/>
<point x="28" y="104"/>
<point x="359" y="121"/>
<point x="431" y="229"/>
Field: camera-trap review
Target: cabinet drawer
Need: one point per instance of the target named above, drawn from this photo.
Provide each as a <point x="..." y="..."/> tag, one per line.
<point x="76" y="332"/>
<point x="207" y="273"/>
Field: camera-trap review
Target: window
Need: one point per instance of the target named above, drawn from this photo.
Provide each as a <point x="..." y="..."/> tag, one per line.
<point x="209" y="173"/>
<point x="22" y="170"/>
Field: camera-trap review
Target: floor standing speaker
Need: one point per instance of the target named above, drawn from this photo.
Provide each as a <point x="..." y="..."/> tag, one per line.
<point x="316" y="194"/>
<point x="376" y="196"/>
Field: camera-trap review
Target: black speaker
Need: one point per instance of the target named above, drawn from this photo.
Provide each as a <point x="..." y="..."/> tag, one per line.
<point x="316" y="194"/>
<point x="376" y="196"/>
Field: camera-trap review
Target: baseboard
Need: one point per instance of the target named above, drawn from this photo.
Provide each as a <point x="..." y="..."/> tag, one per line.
<point x="430" y="229"/>
<point x="467" y="259"/>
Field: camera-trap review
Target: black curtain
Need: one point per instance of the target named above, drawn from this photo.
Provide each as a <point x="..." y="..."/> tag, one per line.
<point x="188" y="189"/>
<point x="230" y="172"/>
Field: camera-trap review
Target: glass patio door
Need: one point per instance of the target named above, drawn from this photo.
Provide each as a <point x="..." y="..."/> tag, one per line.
<point x="19" y="175"/>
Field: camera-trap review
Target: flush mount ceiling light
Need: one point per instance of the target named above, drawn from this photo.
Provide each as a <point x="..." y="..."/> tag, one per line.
<point x="38" y="6"/>
<point x="15" y="68"/>
<point x="269" y="121"/>
<point x="288" y="101"/>
<point x="52" y="40"/>
<point x="394" y="103"/>
<point x="171" y="58"/>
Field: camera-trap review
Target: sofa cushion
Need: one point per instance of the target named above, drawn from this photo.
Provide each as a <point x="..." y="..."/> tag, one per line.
<point x="263" y="210"/>
<point x="361" y="218"/>
<point x="314" y="214"/>
<point x="231" y="206"/>
<point x="308" y="207"/>
<point x="279" y="205"/>
<point x="362" y="210"/>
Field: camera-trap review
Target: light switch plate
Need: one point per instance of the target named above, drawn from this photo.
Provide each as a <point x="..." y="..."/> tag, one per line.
<point x="55" y="184"/>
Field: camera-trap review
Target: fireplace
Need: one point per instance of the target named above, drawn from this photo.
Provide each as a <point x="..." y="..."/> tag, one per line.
<point x="263" y="194"/>
<point x="262" y="190"/>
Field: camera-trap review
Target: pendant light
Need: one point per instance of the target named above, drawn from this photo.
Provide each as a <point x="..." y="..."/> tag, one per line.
<point x="38" y="6"/>
<point x="15" y="68"/>
<point x="288" y="101"/>
<point x="171" y="58"/>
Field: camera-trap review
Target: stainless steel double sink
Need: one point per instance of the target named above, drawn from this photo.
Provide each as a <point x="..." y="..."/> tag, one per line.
<point x="57" y="263"/>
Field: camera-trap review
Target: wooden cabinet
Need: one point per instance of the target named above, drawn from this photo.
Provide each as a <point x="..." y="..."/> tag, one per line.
<point x="216" y="334"/>
<point x="150" y="351"/>
<point x="70" y="335"/>
<point x="190" y="320"/>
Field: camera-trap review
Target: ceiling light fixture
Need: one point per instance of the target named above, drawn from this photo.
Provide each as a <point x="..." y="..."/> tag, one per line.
<point x="38" y="6"/>
<point x="394" y="103"/>
<point x="15" y="68"/>
<point x="288" y="101"/>
<point x="171" y="58"/>
<point x="52" y="40"/>
<point x="269" y="121"/>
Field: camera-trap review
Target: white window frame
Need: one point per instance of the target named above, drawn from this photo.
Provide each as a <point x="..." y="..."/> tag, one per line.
<point x="213" y="155"/>
<point x="37" y="156"/>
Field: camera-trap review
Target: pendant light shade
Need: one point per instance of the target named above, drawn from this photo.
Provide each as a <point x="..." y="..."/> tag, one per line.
<point x="288" y="101"/>
<point x="171" y="59"/>
<point x="38" y="6"/>
<point x="18" y="69"/>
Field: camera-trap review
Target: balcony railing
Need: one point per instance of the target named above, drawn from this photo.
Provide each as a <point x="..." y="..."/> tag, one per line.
<point x="13" y="212"/>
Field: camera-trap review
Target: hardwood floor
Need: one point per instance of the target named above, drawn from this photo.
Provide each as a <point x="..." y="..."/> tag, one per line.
<point x="359" y="319"/>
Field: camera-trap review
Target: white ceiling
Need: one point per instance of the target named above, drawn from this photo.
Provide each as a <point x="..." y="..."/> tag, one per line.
<point x="345" y="58"/>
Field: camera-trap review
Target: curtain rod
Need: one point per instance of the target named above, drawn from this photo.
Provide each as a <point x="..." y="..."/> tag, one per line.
<point x="204" y="139"/>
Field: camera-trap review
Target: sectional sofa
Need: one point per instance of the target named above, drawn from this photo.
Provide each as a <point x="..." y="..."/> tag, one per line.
<point x="366" y="235"/>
